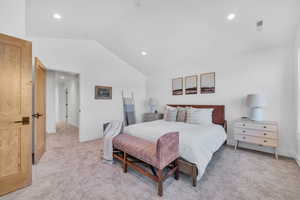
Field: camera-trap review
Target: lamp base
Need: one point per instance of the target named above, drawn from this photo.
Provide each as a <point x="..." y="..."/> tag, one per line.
<point x="256" y="114"/>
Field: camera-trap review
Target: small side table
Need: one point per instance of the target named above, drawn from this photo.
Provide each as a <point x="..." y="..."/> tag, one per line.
<point x="148" y="117"/>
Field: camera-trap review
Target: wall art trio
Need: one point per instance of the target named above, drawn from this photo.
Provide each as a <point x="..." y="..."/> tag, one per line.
<point x="207" y="84"/>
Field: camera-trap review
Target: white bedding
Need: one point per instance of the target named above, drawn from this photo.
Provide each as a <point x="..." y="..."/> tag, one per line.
<point x="197" y="143"/>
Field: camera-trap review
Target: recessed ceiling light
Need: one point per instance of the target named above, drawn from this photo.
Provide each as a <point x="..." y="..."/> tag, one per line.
<point x="62" y="77"/>
<point x="231" y="16"/>
<point x="144" y="53"/>
<point x="56" y="16"/>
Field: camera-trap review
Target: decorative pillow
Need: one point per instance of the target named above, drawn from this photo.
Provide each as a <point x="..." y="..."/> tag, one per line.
<point x="170" y="114"/>
<point x="181" y="115"/>
<point x="199" y="116"/>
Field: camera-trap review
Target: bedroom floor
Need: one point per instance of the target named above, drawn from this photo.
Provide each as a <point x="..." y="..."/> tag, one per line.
<point x="70" y="170"/>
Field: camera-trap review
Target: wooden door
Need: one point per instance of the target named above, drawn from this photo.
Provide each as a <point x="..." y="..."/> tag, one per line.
<point x="15" y="113"/>
<point x="40" y="111"/>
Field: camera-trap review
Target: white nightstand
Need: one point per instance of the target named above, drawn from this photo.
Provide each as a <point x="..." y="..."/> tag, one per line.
<point x="264" y="133"/>
<point x="148" y="117"/>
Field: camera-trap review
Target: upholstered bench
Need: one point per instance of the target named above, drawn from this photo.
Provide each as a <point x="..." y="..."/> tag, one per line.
<point x="159" y="155"/>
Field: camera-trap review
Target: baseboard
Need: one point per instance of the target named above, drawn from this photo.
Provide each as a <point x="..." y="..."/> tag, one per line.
<point x="89" y="139"/>
<point x="73" y="124"/>
<point x="298" y="161"/>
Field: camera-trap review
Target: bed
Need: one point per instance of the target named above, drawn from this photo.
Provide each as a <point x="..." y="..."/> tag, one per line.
<point x="198" y="143"/>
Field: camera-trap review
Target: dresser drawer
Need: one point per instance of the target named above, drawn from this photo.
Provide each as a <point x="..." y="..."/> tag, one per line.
<point x="267" y="127"/>
<point x="256" y="140"/>
<point x="256" y="133"/>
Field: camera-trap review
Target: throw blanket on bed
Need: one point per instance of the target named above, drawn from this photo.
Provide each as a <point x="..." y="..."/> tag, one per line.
<point x="113" y="129"/>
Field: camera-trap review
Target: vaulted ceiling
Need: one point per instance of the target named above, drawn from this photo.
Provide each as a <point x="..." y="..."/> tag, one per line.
<point x="170" y="31"/>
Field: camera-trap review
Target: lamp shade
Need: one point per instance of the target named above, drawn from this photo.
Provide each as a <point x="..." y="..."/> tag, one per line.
<point x="152" y="102"/>
<point x="256" y="101"/>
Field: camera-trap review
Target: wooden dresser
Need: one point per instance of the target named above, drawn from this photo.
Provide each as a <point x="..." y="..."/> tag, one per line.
<point x="264" y="133"/>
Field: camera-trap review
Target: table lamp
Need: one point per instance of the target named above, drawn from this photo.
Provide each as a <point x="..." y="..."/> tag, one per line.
<point x="256" y="103"/>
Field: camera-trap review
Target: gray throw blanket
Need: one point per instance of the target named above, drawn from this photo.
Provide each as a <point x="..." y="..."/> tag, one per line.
<point x="113" y="129"/>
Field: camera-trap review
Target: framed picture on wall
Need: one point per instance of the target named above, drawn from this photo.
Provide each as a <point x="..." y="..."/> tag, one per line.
<point x="103" y="92"/>
<point x="207" y="83"/>
<point x="177" y="86"/>
<point x="191" y="84"/>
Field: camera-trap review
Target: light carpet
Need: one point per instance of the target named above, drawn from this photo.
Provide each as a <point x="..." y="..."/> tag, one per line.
<point x="70" y="170"/>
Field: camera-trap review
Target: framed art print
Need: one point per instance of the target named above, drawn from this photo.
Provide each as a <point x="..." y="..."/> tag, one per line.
<point x="177" y="86"/>
<point x="191" y="84"/>
<point x="103" y="92"/>
<point x="207" y="83"/>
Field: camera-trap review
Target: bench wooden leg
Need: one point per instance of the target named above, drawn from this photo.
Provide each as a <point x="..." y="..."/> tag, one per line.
<point x="194" y="176"/>
<point x="177" y="170"/>
<point x="160" y="182"/>
<point x="125" y="163"/>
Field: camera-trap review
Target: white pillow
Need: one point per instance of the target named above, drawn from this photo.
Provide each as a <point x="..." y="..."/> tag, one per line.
<point x="199" y="116"/>
<point x="170" y="114"/>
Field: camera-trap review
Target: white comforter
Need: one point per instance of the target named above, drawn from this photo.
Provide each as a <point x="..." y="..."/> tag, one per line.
<point x="197" y="143"/>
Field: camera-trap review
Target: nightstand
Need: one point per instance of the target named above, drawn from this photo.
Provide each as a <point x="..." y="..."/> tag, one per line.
<point x="264" y="133"/>
<point x="148" y="117"/>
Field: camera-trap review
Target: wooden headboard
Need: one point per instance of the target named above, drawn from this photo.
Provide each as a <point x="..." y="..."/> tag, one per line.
<point x="218" y="115"/>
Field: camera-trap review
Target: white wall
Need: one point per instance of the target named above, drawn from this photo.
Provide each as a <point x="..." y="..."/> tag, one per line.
<point x="297" y="83"/>
<point x="50" y="102"/>
<point x="263" y="71"/>
<point x="12" y="17"/>
<point x="96" y="66"/>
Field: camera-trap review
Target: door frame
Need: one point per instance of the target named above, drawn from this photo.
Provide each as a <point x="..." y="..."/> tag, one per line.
<point x="37" y="62"/>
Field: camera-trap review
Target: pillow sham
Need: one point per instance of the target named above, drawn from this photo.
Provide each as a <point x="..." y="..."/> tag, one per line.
<point x="181" y="114"/>
<point x="170" y="114"/>
<point x="199" y="116"/>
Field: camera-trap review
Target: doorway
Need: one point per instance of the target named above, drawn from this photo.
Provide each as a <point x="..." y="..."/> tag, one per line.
<point x="62" y="103"/>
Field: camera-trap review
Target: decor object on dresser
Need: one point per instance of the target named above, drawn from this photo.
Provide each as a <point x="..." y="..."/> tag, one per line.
<point x="159" y="155"/>
<point x="177" y="86"/>
<point x="103" y="92"/>
<point x="207" y="83"/>
<point x="264" y="133"/>
<point x="256" y="103"/>
<point x="152" y="104"/>
<point x="191" y="84"/>
<point x="148" y="117"/>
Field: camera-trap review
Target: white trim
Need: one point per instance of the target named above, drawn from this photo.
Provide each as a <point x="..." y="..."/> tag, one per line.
<point x="298" y="162"/>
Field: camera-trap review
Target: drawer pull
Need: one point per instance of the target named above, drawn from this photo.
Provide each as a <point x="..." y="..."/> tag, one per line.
<point x="265" y="141"/>
<point x="265" y="127"/>
<point x="244" y="137"/>
<point x="265" y="134"/>
<point x="244" y="131"/>
<point x="244" y="125"/>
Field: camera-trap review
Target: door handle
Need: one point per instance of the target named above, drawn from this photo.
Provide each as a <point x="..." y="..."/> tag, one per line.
<point x="37" y="115"/>
<point x="24" y="121"/>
